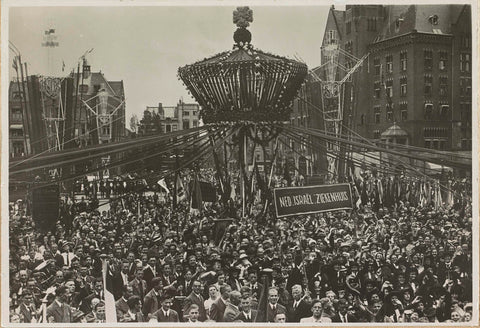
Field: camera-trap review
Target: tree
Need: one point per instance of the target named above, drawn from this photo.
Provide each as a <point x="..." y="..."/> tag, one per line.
<point x="134" y="123"/>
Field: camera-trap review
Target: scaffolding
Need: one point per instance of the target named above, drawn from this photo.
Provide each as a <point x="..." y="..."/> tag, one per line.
<point x="337" y="70"/>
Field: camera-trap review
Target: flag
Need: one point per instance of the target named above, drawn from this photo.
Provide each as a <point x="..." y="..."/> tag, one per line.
<point x="196" y="201"/>
<point x="63" y="66"/>
<point x="14" y="65"/>
<point x="110" y="310"/>
<point x="233" y="194"/>
<point x="163" y="184"/>
<point x="263" y="299"/>
<point x="180" y="189"/>
<point x="380" y="190"/>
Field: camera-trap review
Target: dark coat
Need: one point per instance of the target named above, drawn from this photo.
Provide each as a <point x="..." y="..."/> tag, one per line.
<point x="242" y="318"/>
<point x="172" y="317"/>
<point x="303" y="310"/>
<point x="217" y="310"/>
<point x="194" y="299"/>
<point x="61" y="314"/>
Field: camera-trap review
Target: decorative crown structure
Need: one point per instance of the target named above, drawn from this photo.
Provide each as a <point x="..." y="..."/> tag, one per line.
<point x="244" y="84"/>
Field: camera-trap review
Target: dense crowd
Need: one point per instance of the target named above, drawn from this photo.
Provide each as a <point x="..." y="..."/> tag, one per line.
<point x="400" y="263"/>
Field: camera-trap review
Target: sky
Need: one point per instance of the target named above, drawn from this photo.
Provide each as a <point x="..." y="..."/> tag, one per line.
<point x="144" y="46"/>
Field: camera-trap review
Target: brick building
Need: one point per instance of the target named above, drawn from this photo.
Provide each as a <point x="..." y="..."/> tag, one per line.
<point x="417" y="73"/>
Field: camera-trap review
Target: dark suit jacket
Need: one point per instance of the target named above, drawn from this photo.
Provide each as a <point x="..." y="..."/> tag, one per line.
<point x="150" y="304"/>
<point x="242" y="318"/>
<point x="121" y="307"/>
<point x="217" y="310"/>
<point x="193" y="299"/>
<point x="117" y="282"/>
<point x="137" y="290"/>
<point x="302" y="311"/>
<point x="230" y="313"/>
<point x="172" y="317"/>
<point x="148" y="276"/>
<point x="60" y="314"/>
<point x="271" y="313"/>
<point x="336" y="318"/>
<point x="25" y="312"/>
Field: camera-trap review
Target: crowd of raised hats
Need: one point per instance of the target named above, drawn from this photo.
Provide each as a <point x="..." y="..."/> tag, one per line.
<point x="398" y="264"/>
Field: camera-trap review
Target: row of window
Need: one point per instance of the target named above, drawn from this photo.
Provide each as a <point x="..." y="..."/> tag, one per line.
<point x="427" y="90"/>
<point x="427" y="61"/>
<point x="441" y="112"/>
<point x="371" y="25"/>
<point x="439" y="144"/>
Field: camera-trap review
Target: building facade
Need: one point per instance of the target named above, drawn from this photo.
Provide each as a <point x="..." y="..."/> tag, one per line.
<point x="164" y="119"/>
<point x="417" y="74"/>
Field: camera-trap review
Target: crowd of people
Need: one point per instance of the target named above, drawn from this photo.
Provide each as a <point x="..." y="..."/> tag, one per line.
<point x="165" y="263"/>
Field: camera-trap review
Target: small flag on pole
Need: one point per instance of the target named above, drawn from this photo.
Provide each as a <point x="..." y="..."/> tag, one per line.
<point x="180" y="189"/>
<point x="163" y="184"/>
<point x="110" y="310"/>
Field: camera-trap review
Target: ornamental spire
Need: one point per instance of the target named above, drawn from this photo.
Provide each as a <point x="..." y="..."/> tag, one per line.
<point x="242" y="17"/>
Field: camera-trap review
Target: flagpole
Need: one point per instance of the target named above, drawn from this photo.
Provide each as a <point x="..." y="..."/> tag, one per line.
<point x="243" y="173"/>
<point x="110" y="310"/>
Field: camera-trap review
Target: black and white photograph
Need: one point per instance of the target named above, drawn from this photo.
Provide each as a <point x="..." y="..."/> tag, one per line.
<point x="239" y="163"/>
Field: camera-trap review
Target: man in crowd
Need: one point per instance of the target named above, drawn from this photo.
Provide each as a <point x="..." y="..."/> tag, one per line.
<point x="195" y="297"/>
<point x="165" y="313"/>
<point x="273" y="307"/>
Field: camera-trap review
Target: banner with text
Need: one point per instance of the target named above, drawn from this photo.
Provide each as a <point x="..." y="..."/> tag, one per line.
<point x="312" y="199"/>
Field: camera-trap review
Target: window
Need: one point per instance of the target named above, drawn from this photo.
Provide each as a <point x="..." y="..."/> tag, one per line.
<point x="348" y="27"/>
<point x="404" y="111"/>
<point x="465" y="41"/>
<point x="389" y="110"/>
<point x="16" y="132"/>
<point x="18" y="148"/>
<point x="433" y="19"/>
<point x="376" y="111"/>
<point x="389" y="88"/>
<point x="376" y="65"/>
<point x="186" y="125"/>
<point x="465" y="62"/>
<point x="186" y="113"/>
<point x="332" y="37"/>
<point x="174" y="127"/>
<point x="403" y="86"/>
<point x="428" y="59"/>
<point x="403" y="61"/>
<point x="389" y="60"/>
<point x="195" y="124"/>
<point x="376" y="134"/>
<point x="443" y="86"/>
<point x="444" y="111"/>
<point x="465" y="88"/>
<point x="16" y="114"/>
<point x="168" y="128"/>
<point x="442" y="62"/>
<point x="371" y="24"/>
<point x="428" y="113"/>
<point x="376" y="88"/>
<point x="194" y="113"/>
<point x="398" y="23"/>
<point x="427" y="85"/>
